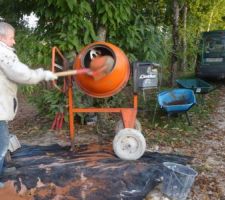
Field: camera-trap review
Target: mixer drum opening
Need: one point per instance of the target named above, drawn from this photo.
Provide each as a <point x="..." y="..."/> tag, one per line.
<point x="98" y="50"/>
<point x="115" y="75"/>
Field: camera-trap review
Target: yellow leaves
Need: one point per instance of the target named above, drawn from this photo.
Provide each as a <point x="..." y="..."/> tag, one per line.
<point x="165" y="126"/>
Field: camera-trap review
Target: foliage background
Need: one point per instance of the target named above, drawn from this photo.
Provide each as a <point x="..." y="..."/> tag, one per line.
<point x="143" y="29"/>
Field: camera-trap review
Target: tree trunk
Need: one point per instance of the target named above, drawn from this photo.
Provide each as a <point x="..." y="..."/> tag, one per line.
<point x="175" y="36"/>
<point x="102" y="33"/>
<point x="212" y="13"/>
<point x="184" y="40"/>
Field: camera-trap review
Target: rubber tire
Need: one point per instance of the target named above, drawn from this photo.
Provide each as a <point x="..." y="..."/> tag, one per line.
<point x="120" y="126"/>
<point x="129" y="144"/>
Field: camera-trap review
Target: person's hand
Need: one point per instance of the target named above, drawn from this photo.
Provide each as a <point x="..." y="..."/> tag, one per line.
<point x="50" y="76"/>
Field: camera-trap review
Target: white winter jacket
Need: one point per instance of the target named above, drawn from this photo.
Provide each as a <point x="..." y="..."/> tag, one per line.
<point x="12" y="72"/>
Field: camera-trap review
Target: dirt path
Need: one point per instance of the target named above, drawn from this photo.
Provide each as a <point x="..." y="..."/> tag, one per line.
<point x="210" y="156"/>
<point x="208" y="151"/>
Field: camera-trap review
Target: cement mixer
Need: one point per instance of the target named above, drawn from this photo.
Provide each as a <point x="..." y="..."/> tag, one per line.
<point x="102" y="70"/>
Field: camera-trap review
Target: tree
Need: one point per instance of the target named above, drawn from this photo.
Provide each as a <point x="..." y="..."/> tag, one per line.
<point x="129" y="24"/>
<point x="175" y="33"/>
<point x="73" y="24"/>
<point x="184" y="37"/>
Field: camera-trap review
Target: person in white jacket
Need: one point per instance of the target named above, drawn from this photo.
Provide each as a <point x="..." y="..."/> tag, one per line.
<point x="12" y="73"/>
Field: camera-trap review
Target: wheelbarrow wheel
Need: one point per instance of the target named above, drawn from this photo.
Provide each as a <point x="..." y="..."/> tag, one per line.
<point x="129" y="144"/>
<point x="120" y="126"/>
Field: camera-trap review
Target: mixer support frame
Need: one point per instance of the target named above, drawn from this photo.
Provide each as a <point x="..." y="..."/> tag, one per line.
<point x="128" y="114"/>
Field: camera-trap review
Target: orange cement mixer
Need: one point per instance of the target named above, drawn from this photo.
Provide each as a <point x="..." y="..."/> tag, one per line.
<point x="102" y="70"/>
<point x="111" y="82"/>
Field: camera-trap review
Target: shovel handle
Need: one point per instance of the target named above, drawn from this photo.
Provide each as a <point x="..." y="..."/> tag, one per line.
<point x="72" y="72"/>
<point x="81" y="71"/>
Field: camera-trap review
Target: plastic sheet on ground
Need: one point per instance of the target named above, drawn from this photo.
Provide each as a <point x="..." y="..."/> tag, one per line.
<point x="91" y="172"/>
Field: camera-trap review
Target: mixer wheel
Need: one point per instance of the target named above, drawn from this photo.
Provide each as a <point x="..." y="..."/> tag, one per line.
<point x="129" y="144"/>
<point x="120" y="126"/>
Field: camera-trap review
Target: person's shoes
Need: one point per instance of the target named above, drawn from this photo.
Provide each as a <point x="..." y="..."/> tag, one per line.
<point x="8" y="158"/>
<point x="8" y="162"/>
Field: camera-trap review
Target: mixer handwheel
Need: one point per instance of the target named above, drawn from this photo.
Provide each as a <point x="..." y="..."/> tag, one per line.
<point x="120" y="126"/>
<point x="129" y="144"/>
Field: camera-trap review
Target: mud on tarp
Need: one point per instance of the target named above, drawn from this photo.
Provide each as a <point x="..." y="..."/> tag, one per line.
<point x="92" y="172"/>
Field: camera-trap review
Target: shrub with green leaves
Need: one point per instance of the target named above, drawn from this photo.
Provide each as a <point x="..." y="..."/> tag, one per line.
<point x="49" y="102"/>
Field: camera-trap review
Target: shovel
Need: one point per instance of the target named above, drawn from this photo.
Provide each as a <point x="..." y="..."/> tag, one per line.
<point x="96" y="71"/>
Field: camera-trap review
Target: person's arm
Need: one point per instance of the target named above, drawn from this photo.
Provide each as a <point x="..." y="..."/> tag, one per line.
<point x="21" y="73"/>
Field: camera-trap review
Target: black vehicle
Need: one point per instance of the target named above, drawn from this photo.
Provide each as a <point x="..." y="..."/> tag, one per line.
<point x="211" y="59"/>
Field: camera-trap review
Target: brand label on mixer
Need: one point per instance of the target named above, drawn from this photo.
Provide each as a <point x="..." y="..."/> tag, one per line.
<point x="143" y="76"/>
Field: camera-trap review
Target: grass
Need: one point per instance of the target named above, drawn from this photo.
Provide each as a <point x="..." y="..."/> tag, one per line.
<point x="172" y="130"/>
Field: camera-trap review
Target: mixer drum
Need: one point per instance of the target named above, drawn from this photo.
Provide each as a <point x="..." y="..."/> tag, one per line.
<point x="103" y="84"/>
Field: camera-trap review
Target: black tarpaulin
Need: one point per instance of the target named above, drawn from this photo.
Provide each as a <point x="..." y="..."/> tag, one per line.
<point x="91" y="172"/>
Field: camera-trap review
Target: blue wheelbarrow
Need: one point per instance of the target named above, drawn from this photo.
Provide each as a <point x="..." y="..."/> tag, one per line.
<point x="199" y="86"/>
<point x="177" y="101"/>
